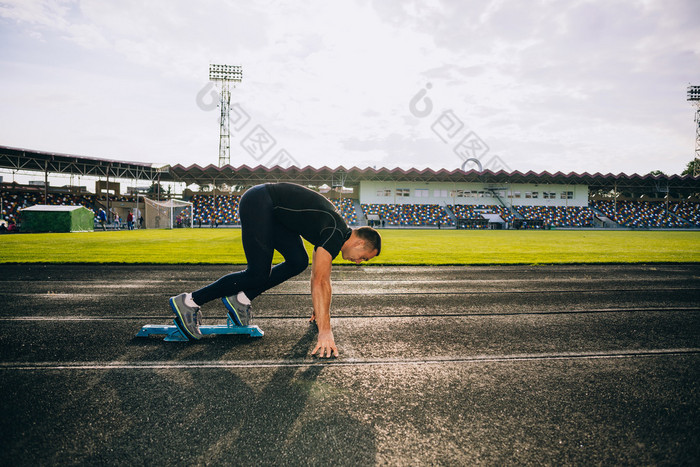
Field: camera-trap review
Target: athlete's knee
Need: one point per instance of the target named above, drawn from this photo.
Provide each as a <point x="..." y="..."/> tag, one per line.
<point x="297" y="262"/>
<point x="258" y="275"/>
<point x="300" y="267"/>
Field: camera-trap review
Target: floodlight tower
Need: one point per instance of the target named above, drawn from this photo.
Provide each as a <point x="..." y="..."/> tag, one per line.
<point x="694" y="99"/>
<point x="224" y="75"/>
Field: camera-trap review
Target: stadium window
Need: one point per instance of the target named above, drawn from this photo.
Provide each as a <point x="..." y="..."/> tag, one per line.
<point x="516" y="194"/>
<point x="383" y="192"/>
<point x="422" y="193"/>
<point x="528" y="195"/>
<point x="569" y="195"/>
<point x="406" y="192"/>
<point x="440" y="193"/>
<point x="534" y="195"/>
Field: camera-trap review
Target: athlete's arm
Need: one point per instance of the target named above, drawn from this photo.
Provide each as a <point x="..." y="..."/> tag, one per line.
<point x="321" y="299"/>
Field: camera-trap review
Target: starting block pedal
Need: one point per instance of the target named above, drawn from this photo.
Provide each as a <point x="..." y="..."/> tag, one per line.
<point x="173" y="334"/>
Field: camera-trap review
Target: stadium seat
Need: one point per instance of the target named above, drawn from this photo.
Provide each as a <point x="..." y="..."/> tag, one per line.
<point x="646" y="214"/>
<point x="412" y="215"/>
<point x="558" y="216"/>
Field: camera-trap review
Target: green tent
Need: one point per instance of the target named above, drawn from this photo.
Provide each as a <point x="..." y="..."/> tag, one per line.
<point x="41" y="218"/>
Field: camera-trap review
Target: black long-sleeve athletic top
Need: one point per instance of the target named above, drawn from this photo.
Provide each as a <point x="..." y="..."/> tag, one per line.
<point x="309" y="214"/>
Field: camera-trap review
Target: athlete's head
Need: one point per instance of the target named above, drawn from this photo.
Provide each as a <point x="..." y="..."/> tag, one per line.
<point x="372" y="239"/>
<point x="364" y="244"/>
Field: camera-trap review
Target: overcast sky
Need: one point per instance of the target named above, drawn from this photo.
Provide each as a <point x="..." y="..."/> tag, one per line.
<point x="583" y="86"/>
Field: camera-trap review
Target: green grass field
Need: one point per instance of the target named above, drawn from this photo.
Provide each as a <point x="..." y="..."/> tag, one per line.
<point x="400" y="247"/>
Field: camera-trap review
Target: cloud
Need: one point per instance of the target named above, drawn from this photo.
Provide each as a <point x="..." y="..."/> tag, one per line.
<point x="43" y="13"/>
<point x="554" y="85"/>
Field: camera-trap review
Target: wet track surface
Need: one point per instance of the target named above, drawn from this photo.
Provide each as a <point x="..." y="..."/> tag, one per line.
<point x="439" y="365"/>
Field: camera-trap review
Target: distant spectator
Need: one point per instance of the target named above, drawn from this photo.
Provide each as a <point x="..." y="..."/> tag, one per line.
<point x="102" y="218"/>
<point x="130" y="221"/>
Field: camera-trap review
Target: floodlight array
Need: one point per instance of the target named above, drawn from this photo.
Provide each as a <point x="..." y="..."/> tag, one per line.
<point x="226" y="73"/>
<point x="694" y="93"/>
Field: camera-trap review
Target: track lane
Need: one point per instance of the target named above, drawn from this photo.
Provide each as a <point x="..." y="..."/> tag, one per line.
<point x="566" y="378"/>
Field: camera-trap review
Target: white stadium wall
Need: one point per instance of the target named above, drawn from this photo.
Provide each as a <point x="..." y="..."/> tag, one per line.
<point x="515" y="194"/>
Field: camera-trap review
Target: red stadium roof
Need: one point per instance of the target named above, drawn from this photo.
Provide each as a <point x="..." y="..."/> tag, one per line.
<point x="246" y="176"/>
<point x="32" y="160"/>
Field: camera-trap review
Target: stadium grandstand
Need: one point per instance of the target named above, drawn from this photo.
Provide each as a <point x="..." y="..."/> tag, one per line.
<point x="390" y="198"/>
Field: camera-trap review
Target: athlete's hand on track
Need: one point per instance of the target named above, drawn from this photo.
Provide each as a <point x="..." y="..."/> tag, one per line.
<point x="326" y="345"/>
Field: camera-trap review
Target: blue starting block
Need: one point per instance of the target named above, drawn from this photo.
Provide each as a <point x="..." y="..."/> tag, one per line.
<point x="173" y="334"/>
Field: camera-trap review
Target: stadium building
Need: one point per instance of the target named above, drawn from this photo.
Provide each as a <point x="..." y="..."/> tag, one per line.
<point x="391" y="198"/>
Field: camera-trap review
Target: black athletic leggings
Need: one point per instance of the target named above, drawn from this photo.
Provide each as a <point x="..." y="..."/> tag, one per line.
<point x="261" y="235"/>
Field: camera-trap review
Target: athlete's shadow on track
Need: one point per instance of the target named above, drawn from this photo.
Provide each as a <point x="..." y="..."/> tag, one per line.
<point x="282" y="402"/>
<point x="212" y="416"/>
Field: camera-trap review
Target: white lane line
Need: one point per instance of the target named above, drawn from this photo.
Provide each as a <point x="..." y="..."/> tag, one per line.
<point x="375" y="316"/>
<point x="376" y="292"/>
<point x="197" y="365"/>
<point x="137" y="283"/>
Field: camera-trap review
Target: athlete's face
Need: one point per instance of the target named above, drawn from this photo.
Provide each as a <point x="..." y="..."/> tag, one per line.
<point x="358" y="254"/>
